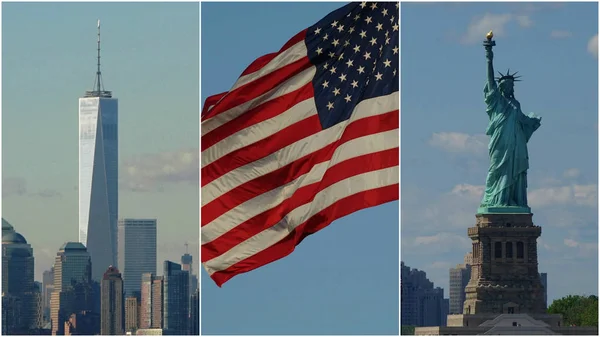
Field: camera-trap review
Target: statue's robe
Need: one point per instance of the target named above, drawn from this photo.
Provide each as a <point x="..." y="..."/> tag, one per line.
<point x="509" y="130"/>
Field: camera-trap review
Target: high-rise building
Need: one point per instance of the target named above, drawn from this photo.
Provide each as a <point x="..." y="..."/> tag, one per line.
<point x="195" y="314"/>
<point x="72" y="284"/>
<point x="131" y="314"/>
<point x="187" y="264"/>
<point x="176" y="299"/>
<point x="459" y="278"/>
<point x="47" y="288"/>
<point x="544" y="280"/>
<point x="18" y="280"/>
<point x="111" y="317"/>
<point x="136" y="251"/>
<point x="151" y="302"/>
<point x="422" y="303"/>
<point x="98" y="174"/>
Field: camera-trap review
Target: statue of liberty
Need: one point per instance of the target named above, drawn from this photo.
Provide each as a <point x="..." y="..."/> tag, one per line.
<point x="509" y="130"/>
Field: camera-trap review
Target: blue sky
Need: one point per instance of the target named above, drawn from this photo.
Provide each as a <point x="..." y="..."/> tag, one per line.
<point x="150" y="62"/>
<point x="444" y="149"/>
<point x="338" y="281"/>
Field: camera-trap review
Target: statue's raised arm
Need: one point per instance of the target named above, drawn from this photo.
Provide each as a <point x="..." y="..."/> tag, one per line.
<point x="489" y="55"/>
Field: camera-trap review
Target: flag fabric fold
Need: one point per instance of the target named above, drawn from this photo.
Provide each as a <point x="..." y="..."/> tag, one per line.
<point x="305" y="136"/>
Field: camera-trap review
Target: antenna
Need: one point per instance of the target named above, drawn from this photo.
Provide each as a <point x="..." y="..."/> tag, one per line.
<point x="98" y="89"/>
<point x="186" y="247"/>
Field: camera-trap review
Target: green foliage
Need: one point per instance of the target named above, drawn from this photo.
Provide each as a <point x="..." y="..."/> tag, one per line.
<point x="576" y="310"/>
<point x="407" y="330"/>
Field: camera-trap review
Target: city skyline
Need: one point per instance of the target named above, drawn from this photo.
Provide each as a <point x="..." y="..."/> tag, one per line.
<point x="158" y="134"/>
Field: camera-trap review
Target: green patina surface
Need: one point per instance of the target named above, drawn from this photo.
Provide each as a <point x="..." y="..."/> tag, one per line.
<point x="509" y="130"/>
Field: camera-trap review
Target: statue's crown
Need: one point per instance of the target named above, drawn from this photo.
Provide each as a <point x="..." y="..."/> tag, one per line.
<point x="508" y="76"/>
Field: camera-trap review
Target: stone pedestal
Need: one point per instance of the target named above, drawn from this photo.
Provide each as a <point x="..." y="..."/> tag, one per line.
<point x="504" y="274"/>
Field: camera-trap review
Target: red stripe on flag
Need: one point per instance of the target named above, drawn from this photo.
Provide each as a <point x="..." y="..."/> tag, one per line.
<point x="317" y="222"/>
<point x="351" y="167"/>
<point x="264" y="60"/>
<point x="283" y="175"/>
<point x="210" y="101"/>
<point x="258" y="114"/>
<point x="258" y="87"/>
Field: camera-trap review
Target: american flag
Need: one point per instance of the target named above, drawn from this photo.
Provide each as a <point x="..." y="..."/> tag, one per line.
<point x="305" y="136"/>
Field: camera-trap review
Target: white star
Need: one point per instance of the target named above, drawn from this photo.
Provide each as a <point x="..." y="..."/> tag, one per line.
<point x="394" y="72"/>
<point x="348" y="98"/>
<point x="387" y="63"/>
<point x="326" y="84"/>
<point x="318" y="30"/>
<point x="363" y="5"/>
<point x="384" y="11"/>
<point x="336" y="91"/>
<point x="356" y="48"/>
<point x="329" y="105"/>
<point x="326" y="37"/>
<point x="379" y="26"/>
<point x="361" y="69"/>
<point x="357" y="17"/>
<point x="354" y="84"/>
<point x="392" y="19"/>
<point x="395" y="50"/>
<point x="334" y="23"/>
<point x="363" y="34"/>
<point x="367" y="55"/>
<point x="387" y="40"/>
<point x="351" y="30"/>
<point x="380" y="49"/>
<point x="395" y="27"/>
<point x="326" y="65"/>
<point x="331" y="54"/>
<point x="335" y="42"/>
<point x="368" y="19"/>
<point x="374" y="5"/>
<point x="346" y="43"/>
<point x="332" y="70"/>
<point x="397" y="4"/>
<point x="350" y="63"/>
<point x="373" y="41"/>
<point x="319" y="51"/>
<point x="342" y="77"/>
<point x="387" y="32"/>
<point x="340" y="28"/>
<point x="378" y="76"/>
<point x="341" y="57"/>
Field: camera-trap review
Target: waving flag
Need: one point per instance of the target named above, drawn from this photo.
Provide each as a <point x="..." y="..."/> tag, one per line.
<point x="305" y="136"/>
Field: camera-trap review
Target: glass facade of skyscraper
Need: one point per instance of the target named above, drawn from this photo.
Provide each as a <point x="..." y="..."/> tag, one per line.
<point x="136" y="251"/>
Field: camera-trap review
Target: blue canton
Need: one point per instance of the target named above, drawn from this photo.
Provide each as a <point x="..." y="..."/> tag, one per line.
<point x="355" y="50"/>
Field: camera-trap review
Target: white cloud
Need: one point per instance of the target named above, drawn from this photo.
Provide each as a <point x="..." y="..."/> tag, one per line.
<point x="479" y="26"/>
<point x="592" y="46"/>
<point x="474" y="192"/>
<point x="524" y="21"/>
<point x="153" y="171"/>
<point x="442" y="240"/>
<point x="572" y="173"/>
<point x="457" y="142"/>
<point x="571" y="243"/>
<point x="581" y="195"/>
<point x="585" y="249"/>
<point x="560" y="34"/>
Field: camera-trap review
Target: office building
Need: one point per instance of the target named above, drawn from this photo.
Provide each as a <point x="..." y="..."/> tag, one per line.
<point x="459" y="278"/>
<point x="132" y="315"/>
<point x="151" y="302"/>
<point x="422" y="303"/>
<point x="17" y="280"/>
<point x="111" y="318"/>
<point x="176" y="299"/>
<point x="98" y="174"/>
<point x="72" y="284"/>
<point x="136" y="251"/>
<point x="47" y="288"/>
<point x="195" y="314"/>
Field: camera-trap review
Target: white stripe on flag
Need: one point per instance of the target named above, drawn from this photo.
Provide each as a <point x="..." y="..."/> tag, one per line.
<point x="290" y="85"/>
<point x="289" y="56"/>
<point x="259" y="131"/>
<point x="325" y="198"/>
<point x="354" y="148"/>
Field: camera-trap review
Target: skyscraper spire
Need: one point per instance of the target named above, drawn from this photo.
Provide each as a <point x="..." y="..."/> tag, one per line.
<point x="98" y="89"/>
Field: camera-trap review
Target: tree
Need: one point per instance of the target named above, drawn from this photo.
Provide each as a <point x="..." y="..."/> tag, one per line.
<point x="577" y="310"/>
